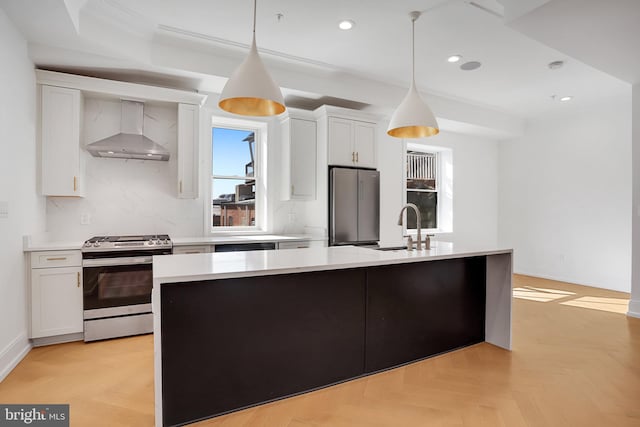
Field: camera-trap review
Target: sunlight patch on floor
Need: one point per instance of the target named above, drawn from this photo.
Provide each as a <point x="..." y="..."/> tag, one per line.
<point x="612" y="305"/>
<point x="540" y="294"/>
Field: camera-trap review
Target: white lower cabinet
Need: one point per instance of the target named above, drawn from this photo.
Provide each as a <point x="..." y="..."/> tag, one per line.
<point x="56" y="299"/>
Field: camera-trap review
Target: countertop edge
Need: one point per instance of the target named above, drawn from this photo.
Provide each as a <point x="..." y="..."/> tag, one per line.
<point x="161" y="280"/>
<point x="29" y="246"/>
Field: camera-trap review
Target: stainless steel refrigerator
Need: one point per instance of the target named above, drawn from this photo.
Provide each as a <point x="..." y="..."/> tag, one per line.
<point x="354" y="206"/>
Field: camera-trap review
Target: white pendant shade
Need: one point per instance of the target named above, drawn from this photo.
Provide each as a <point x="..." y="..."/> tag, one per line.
<point x="413" y="118"/>
<point x="250" y="91"/>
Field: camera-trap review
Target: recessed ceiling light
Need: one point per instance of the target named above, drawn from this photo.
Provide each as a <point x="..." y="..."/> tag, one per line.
<point x="110" y="152"/>
<point x="149" y="155"/>
<point x="454" y="58"/>
<point x="566" y="98"/>
<point x="346" y="24"/>
<point x="471" y="65"/>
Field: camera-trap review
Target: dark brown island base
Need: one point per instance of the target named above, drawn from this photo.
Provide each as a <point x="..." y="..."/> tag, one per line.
<point x="224" y="344"/>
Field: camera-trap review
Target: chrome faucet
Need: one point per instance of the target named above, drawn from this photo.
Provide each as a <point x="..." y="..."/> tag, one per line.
<point x="418" y="221"/>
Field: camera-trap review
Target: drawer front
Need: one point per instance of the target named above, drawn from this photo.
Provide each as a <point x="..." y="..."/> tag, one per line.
<point x="51" y="259"/>
<point x="203" y="249"/>
<point x="293" y="245"/>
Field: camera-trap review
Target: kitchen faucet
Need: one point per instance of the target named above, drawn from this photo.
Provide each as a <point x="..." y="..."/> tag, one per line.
<point x="418" y="221"/>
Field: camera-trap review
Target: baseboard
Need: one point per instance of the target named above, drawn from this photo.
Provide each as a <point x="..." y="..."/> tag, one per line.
<point x="12" y="354"/>
<point x="634" y="308"/>
<point x="57" y="339"/>
<point x="565" y="279"/>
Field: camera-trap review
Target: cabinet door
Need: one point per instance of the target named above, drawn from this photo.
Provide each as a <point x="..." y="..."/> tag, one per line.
<point x="303" y="159"/>
<point x="188" y="145"/>
<point x="60" y="136"/>
<point x="56" y="305"/>
<point x="364" y="135"/>
<point x="341" y="151"/>
<point x="416" y="310"/>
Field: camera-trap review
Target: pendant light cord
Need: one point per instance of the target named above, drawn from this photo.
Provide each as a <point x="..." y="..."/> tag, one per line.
<point x="255" y="7"/>
<point x="414" y="17"/>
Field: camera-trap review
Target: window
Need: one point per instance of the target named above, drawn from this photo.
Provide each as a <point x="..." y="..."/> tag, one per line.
<point x="234" y="177"/>
<point x="422" y="184"/>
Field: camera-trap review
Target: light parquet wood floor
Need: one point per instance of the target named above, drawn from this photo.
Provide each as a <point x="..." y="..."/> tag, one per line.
<point x="575" y="362"/>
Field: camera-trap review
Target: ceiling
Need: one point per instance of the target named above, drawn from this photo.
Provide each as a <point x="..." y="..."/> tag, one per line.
<point x="116" y="36"/>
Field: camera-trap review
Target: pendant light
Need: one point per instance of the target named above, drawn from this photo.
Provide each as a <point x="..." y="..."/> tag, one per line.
<point x="413" y="118"/>
<point x="250" y="91"/>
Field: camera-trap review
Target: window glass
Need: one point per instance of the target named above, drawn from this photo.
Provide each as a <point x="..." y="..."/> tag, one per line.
<point x="233" y="178"/>
<point x="427" y="204"/>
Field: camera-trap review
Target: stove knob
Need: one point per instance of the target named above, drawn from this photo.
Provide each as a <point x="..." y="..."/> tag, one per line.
<point x="96" y="244"/>
<point x="87" y="244"/>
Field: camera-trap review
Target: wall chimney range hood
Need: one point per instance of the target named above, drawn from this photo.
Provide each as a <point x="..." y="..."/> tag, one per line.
<point x="130" y="143"/>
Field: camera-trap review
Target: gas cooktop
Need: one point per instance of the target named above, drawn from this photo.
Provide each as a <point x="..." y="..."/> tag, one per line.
<point x="139" y="242"/>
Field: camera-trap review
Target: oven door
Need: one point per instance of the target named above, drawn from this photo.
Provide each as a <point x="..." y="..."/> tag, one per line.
<point x="117" y="286"/>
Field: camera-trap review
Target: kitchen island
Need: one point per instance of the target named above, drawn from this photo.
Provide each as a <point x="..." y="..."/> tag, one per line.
<point x="233" y="330"/>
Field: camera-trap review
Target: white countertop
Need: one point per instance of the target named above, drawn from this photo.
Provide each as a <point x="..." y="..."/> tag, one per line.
<point x="194" y="267"/>
<point x="31" y="244"/>
<point x="249" y="238"/>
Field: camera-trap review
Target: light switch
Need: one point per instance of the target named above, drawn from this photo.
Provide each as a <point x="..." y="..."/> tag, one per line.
<point x="4" y="209"/>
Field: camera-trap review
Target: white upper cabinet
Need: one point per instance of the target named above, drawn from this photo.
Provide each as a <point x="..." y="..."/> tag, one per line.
<point x="364" y="144"/>
<point x="62" y="170"/>
<point x="188" y="146"/>
<point x="351" y="143"/>
<point x="299" y="155"/>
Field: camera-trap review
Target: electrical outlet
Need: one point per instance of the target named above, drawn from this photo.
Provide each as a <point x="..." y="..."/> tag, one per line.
<point x="4" y="209"/>
<point x="85" y="219"/>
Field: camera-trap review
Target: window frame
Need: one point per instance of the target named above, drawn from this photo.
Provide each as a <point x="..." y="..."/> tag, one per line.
<point x="438" y="151"/>
<point x="260" y="130"/>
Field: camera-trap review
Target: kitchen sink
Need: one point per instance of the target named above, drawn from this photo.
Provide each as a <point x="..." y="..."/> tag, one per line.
<point x="391" y="248"/>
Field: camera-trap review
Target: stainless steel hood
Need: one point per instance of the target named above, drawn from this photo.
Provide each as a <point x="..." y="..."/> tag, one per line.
<point x="130" y="143"/>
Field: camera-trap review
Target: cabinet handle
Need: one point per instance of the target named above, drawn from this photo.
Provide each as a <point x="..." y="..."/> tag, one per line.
<point x="180" y="186"/>
<point x="75" y="183"/>
<point x="78" y="279"/>
<point x="353" y="156"/>
<point x="357" y="156"/>
<point x="57" y="259"/>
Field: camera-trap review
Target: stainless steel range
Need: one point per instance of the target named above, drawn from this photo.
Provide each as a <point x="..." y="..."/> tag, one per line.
<point x="117" y="282"/>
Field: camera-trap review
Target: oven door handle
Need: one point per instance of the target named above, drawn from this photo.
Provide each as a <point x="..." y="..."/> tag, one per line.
<point x="103" y="262"/>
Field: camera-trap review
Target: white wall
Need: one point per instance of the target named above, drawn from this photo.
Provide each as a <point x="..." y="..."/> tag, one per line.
<point x="565" y="193"/>
<point x="17" y="188"/>
<point x="634" y="305"/>
<point x="475" y="187"/>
